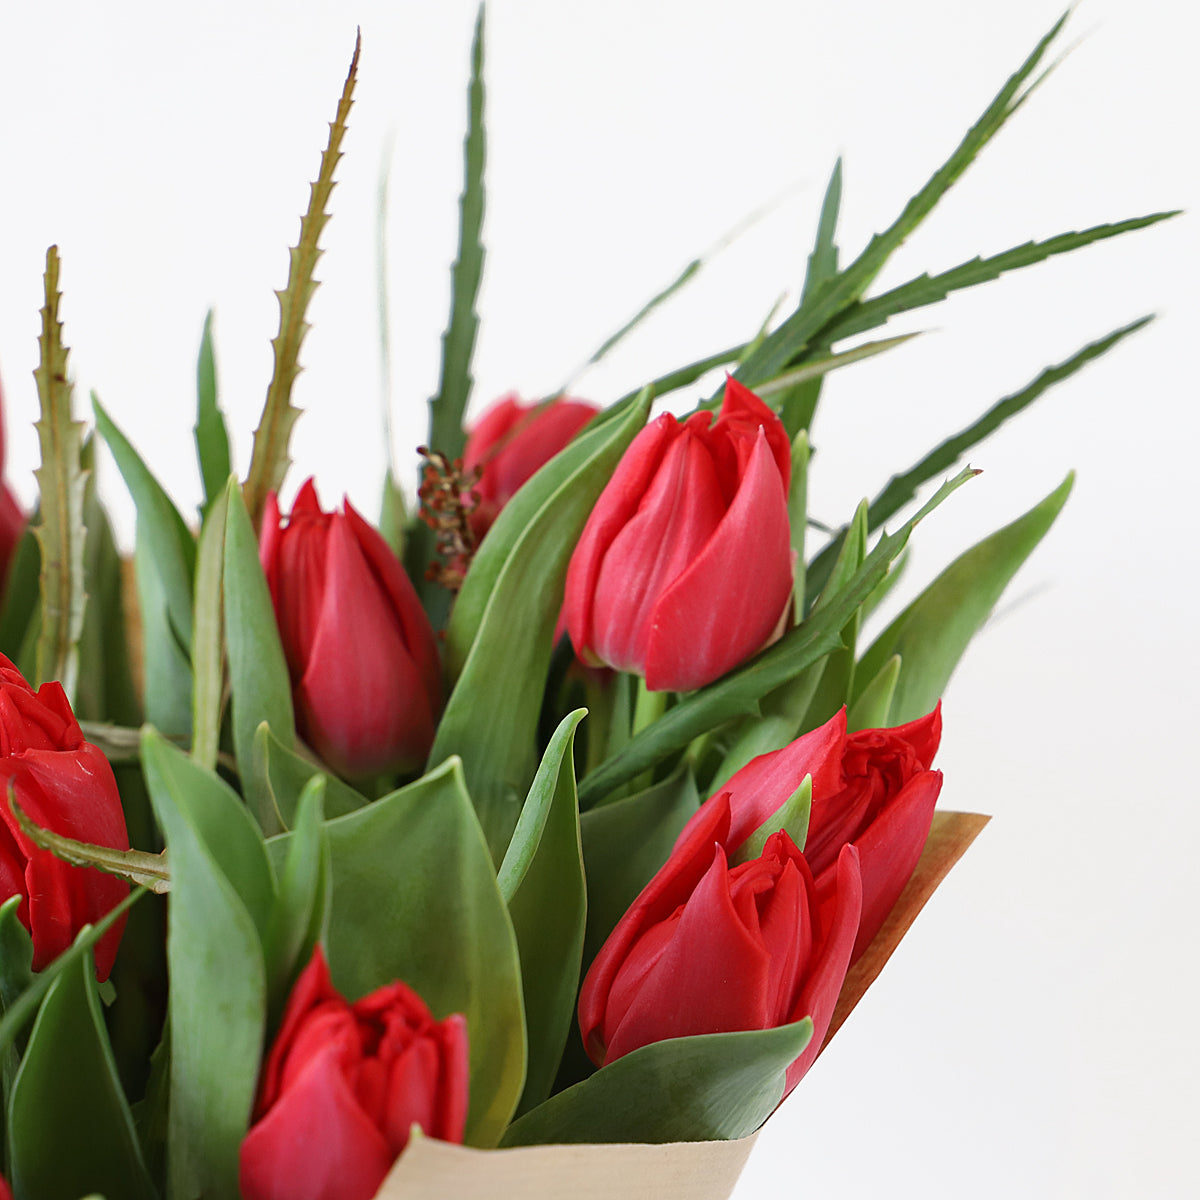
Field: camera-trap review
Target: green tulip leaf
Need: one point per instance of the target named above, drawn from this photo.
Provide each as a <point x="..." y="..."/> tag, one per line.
<point x="68" y="1073"/>
<point x="22" y="594"/>
<point x="208" y="640"/>
<point x="792" y="816"/>
<point x="218" y="998"/>
<point x="872" y="709"/>
<point x="16" y="975"/>
<point x="287" y="775"/>
<point x="692" y="1089"/>
<point x="212" y="438"/>
<point x="932" y="633"/>
<point x="740" y="692"/>
<point x="260" y="688"/>
<point x="507" y="627"/>
<point x="166" y="667"/>
<point x="217" y="817"/>
<point x="542" y="881"/>
<point x="415" y="898"/>
<point x="303" y="887"/>
<point x="624" y="843"/>
<point x="170" y="544"/>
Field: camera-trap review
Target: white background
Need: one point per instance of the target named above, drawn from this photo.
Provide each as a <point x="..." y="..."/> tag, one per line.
<point x="1036" y="1033"/>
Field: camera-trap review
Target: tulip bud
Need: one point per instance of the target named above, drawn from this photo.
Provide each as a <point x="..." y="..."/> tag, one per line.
<point x="343" y="1086"/>
<point x="872" y="789"/>
<point x="360" y="650"/>
<point x="511" y="442"/>
<point x="684" y="567"/>
<point x="63" y="784"/>
<point x="707" y="948"/>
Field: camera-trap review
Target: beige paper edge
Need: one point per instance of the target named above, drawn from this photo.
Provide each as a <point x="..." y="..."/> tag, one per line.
<point x="433" y="1170"/>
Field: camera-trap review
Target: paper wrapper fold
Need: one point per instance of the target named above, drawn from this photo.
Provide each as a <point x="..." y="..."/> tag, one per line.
<point x="433" y="1170"/>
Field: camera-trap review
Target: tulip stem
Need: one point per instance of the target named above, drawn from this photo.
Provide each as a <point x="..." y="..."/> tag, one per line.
<point x="648" y="707"/>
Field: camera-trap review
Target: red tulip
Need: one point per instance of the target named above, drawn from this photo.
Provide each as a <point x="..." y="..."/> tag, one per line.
<point x="362" y="655"/>
<point x="709" y="948"/>
<point x="12" y="518"/>
<point x="684" y="568"/>
<point x="872" y="789"/>
<point x="343" y="1086"/>
<point x="63" y="784"/>
<point x="511" y="442"/>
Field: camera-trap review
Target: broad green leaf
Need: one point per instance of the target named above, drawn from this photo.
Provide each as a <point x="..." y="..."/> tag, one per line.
<point x="491" y="718"/>
<point x="260" y="688"/>
<point x="873" y="707"/>
<point x="105" y="690"/>
<point x="21" y="594"/>
<point x="924" y="290"/>
<point x="287" y="775"/>
<point x="302" y="879"/>
<point x="69" y="1127"/>
<point x="932" y="633"/>
<point x="739" y="692"/>
<point x="692" y="1089"/>
<point x="269" y="459"/>
<point x="790" y="341"/>
<point x="415" y="898"/>
<point x="446" y="409"/>
<point x="217" y="1003"/>
<point x="22" y="1010"/>
<point x="542" y="881"/>
<point x="217" y="817"/>
<point x="625" y="843"/>
<point x="393" y="518"/>
<point x="170" y="544"/>
<point x="900" y="489"/>
<point x="212" y="438"/>
<point x="166" y="668"/>
<point x="16" y="974"/>
<point x="208" y="640"/>
<point x="791" y="816"/>
<point x="60" y="530"/>
<point x="798" y="516"/>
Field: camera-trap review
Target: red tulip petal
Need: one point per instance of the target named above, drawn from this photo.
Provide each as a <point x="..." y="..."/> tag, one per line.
<point x="924" y="735"/>
<point x="269" y="538"/>
<point x="743" y="414"/>
<point x="362" y="700"/>
<point x="452" y="1109"/>
<point x="823" y="982"/>
<point x="765" y="783"/>
<point x="315" y="1143"/>
<point x="615" y="507"/>
<point x="706" y="621"/>
<point x="677" y="519"/>
<point x="890" y="849"/>
<point x="419" y="637"/>
<point x="712" y="977"/>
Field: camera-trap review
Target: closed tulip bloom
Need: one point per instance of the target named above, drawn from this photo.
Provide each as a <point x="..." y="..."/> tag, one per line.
<point x="66" y="785"/>
<point x="684" y="568"/>
<point x="360" y="650"/>
<point x="710" y="948"/>
<point x="343" y="1086"/>
<point x="511" y="442"/>
<point x="872" y="789"/>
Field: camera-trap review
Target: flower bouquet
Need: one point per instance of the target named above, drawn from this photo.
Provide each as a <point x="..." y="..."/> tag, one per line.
<point x="568" y="804"/>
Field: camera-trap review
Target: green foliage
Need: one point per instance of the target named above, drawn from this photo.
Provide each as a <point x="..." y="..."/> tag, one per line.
<point x="542" y="881"/>
<point x="691" y="1089"/>
<point x="269" y="459"/>
<point x="287" y="775"/>
<point x="22" y="595"/>
<point x="260" y="689"/>
<point x="208" y="641"/>
<point x="503" y="626"/>
<point x="931" y="634"/>
<point x="739" y="692"/>
<point x="60" y="531"/>
<point x="166" y="666"/>
<point x="415" y="898"/>
<point x="212" y="438"/>
<point x="68" y="1071"/>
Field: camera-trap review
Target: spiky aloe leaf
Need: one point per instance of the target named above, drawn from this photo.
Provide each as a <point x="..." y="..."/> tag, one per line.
<point x="61" y="531"/>
<point x="269" y="460"/>
<point x="791" y="339"/>
<point x="458" y="342"/>
<point x="901" y="488"/>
